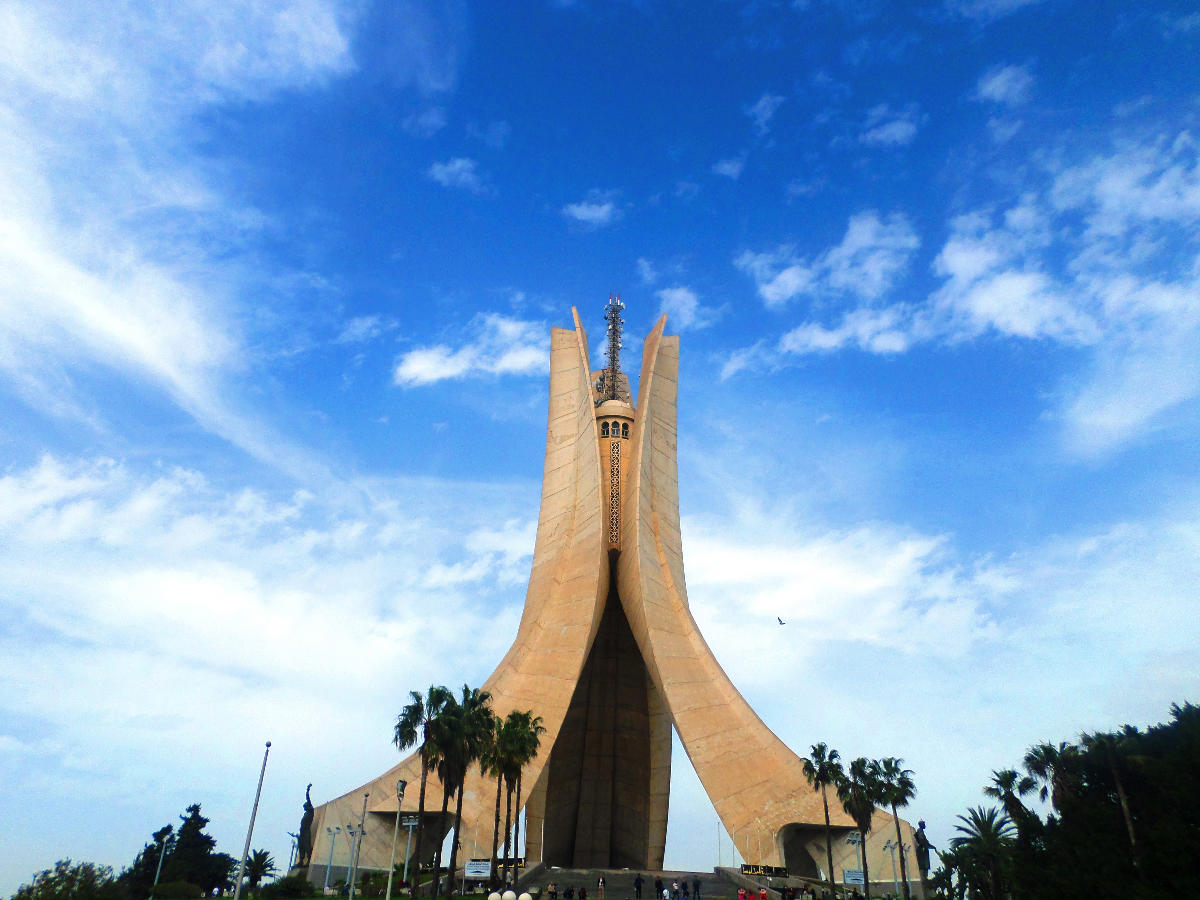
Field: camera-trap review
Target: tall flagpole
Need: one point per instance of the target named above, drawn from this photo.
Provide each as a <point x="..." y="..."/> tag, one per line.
<point x="237" y="890"/>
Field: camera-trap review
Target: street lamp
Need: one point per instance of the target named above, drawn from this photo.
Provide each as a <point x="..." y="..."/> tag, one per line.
<point x="856" y="838"/>
<point x="362" y="829"/>
<point x="161" y="853"/>
<point x="890" y="846"/>
<point x="237" y="891"/>
<point x="400" y="786"/>
<point x="333" y="833"/>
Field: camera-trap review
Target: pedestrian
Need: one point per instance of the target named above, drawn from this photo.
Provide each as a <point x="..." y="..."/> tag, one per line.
<point x="675" y="890"/>
<point x="637" y="886"/>
<point x="658" y="887"/>
<point x="552" y="890"/>
<point x="666" y="894"/>
<point x="762" y="893"/>
<point x="583" y="893"/>
<point x="741" y="893"/>
<point x="600" y="888"/>
<point x="685" y="890"/>
<point x="696" y="887"/>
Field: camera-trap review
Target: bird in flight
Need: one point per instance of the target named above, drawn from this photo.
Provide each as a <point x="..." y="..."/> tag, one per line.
<point x="781" y="622"/>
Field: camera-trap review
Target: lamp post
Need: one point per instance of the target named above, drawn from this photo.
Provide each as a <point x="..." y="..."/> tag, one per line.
<point x="237" y="890"/>
<point x="890" y="846"/>
<point x="353" y="832"/>
<point x="856" y="838"/>
<point x="362" y="829"/>
<point x="161" y="854"/>
<point x="400" y="786"/>
<point x="408" y="851"/>
<point x="333" y="833"/>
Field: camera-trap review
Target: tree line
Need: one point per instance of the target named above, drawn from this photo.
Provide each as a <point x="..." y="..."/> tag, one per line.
<point x="860" y="788"/>
<point x="183" y="860"/>
<point x="1123" y="820"/>
<point x="452" y="735"/>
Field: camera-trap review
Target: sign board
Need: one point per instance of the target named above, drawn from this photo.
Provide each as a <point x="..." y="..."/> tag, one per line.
<point x="852" y="876"/>
<point x="409" y="821"/>
<point x="767" y="871"/>
<point x="478" y="868"/>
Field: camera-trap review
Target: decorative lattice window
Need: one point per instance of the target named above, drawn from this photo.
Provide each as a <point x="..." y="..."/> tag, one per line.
<point x="614" y="492"/>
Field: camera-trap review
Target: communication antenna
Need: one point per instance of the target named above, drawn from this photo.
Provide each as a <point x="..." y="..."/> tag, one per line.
<point x="612" y="314"/>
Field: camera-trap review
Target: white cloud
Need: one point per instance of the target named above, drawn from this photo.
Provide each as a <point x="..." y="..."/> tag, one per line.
<point x="1009" y="85"/>
<point x="683" y="308"/>
<point x="887" y="127"/>
<point x="876" y="331"/>
<point x="494" y="345"/>
<point x="870" y="257"/>
<point x="646" y="271"/>
<point x="730" y="168"/>
<point x="762" y="111"/>
<point x="459" y="172"/>
<point x="599" y="209"/>
<point x="494" y="134"/>
<point x="987" y="10"/>
<point x="426" y="123"/>
<point x="364" y="328"/>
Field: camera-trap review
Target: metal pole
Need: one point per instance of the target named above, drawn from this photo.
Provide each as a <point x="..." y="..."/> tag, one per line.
<point x="161" y="853"/>
<point x="333" y="833"/>
<point x="891" y="848"/>
<point x="400" y="786"/>
<point x="237" y="890"/>
<point x="362" y="829"/>
<point x="408" y="849"/>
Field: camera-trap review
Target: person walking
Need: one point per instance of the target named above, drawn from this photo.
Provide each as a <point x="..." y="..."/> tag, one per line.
<point x="600" y="888"/>
<point x="638" y="881"/>
<point x="675" y="890"/>
<point x="696" y="887"/>
<point x="658" y="887"/>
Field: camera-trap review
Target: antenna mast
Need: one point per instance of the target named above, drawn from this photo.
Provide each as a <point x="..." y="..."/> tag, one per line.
<point x="612" y="313"/>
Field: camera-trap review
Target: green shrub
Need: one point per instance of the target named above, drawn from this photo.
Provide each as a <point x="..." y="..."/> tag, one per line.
<point x="177" y="890"/>
<point x="289" y="888"/>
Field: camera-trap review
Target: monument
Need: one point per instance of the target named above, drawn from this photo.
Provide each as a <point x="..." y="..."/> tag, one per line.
<point x="608" y="654"/>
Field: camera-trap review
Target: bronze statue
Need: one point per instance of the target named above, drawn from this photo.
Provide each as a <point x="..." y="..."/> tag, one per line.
<point x="923" y="847"/>
<point x="304" y="849"/>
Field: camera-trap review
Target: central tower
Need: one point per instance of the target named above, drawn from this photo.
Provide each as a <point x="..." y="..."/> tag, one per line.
<point x="608" y="654"/>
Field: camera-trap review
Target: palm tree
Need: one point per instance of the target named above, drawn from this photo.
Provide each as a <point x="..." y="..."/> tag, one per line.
<point x="464" y="726"/>
<point x="259" y="865"/>
<point x="823" y="769"/>
<point x="413" y="726"/>
<point x="859" y="791"/>
<point x="897" y="787"/>
<point x="1055" y="769"/>
<point x="510" y="768"/>
<point x="985" y="843"/>
<point x="491" y="765"/>
<point x="528" y="741"/>
<point x="1107" y="744"/>
<point x="1009" y="787"/>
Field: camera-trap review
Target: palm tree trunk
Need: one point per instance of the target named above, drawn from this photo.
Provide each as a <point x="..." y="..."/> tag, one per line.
<point x="866" y="870"/>
<point x="517" y="830"/>
<point x="454" y="845"/>
<point x="496" y="834"/>
<point x="437" y="865"/>
<point x="507" y="833"/>
<point x="1112" y="764"/>
<point x="828" y="843"/>
<point x="900" y="847"/>
<point x="416" y="882"/>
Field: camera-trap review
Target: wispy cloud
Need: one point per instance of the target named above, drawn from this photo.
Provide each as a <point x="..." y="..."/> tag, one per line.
<point x="987" y="10"/>
<point x="888" y="127"/>
<point x="599" y="209"/>
<point x="426" y="123"/>
<point x="871" y="255"/>
<point x="762" y="110"/>
<point x="646" y="271"/>
<point x="1096" y="259"/>
<point x="459" y="172"/>
<point x="682" y="307"/>
<point x="1010" y="85"/>
<point x="493" y="344"/>
<point x="494" y="134"/>
<point x="730" y="168"/>
<point x="364" y="328"/>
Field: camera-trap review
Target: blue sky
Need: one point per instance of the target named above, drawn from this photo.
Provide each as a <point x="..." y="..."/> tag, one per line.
<point x="276" y="282"/>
